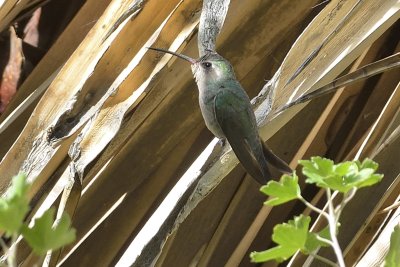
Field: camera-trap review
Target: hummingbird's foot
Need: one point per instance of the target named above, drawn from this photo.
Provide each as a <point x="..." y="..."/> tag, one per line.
<point x="222" y="142"/>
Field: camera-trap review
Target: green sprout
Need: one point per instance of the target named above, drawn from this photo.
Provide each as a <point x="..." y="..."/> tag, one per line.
<point x="43" y="236"/>
<point x="343" y="178"/>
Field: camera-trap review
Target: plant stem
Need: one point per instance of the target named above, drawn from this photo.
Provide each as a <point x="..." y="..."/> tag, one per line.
<point x="4" y="246"/>
<point x="312" y="207"/>
<point x="324" y="260"/>
<point x="346" y="199"/>
<point x="329" y="242"/>
<point x="6" y="252"/>
<point x="332" y="229"/>
<point x="11" y="251"/>
<point x="14" y="247"/>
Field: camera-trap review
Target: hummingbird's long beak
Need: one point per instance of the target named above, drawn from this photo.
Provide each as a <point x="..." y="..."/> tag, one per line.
<point x="191" y="60"/>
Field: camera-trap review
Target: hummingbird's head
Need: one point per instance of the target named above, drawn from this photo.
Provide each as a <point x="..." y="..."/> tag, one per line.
<point x="209" y="69"/>
<point x="212" y="69"/>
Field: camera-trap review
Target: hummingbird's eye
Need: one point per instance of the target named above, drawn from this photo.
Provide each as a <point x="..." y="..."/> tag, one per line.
<point x="206" y="64"/>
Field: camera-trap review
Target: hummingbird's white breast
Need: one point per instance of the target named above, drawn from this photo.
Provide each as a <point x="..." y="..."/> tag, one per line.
<point x="207" y="106"/>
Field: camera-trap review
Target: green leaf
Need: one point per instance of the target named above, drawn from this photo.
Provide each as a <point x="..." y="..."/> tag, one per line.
<point x="365" y="176"/>
<point x="392" y="259"/>
<point x="14" y="205"/>
<point x="341" y="177"/>
<point x="290" y="237"/>
<point x="312" y="242"/>
<point x="344" y="168"/>
<point x="368" y="164"/>
<point x="317" y="169"/>
<point x="283" y="191"/>
<point x="43" y="236"/>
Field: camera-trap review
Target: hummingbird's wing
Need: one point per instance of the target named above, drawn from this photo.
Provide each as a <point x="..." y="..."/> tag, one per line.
<point x="236" y="119"/>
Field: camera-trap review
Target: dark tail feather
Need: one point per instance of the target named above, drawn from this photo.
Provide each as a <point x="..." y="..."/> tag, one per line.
<point x="254" y="164"/>
<point x="275" y="161"/>
<point x="262" y="178"/>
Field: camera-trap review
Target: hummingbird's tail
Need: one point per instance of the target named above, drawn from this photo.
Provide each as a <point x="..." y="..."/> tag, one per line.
<point x="275" y="161"/>
<point x="256" y="164"/>
<point x="256" y="161"/>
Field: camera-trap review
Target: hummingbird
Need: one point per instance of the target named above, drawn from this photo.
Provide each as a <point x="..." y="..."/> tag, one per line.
<point x="228" y="114"/>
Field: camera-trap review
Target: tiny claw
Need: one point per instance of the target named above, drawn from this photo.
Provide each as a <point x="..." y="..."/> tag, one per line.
<point x="222" y="142"/>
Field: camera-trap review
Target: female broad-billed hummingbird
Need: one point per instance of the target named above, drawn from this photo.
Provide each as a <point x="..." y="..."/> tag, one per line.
<point x="227" y="112"/>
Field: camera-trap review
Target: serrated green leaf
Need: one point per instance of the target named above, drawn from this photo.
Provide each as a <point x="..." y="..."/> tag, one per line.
<point x="312" y="242"/>
<point x="318" y="165"/>
<point x="344" y="168"/>
<point x="19" y="186"/>
<point x="43" y="236"/>
<point x="324" y="233"/>
<point x="14" y="205"/>
<point x="392" y="258"/>
<point x="341" y="177"/>
<point x="363" y="178"/>
<point x="368" y="164"/>
<point x="290" y="237"/>
<point x="278" y="254"/>
<point x="283" y="191"/>
<point x="317" y="170"/>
